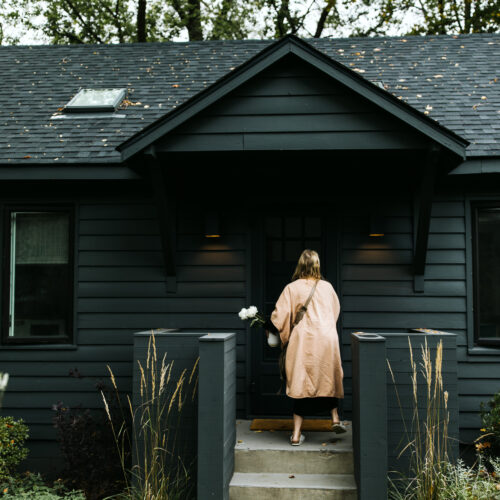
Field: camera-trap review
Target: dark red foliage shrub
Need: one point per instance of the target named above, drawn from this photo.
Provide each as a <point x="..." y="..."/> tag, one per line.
<point x="87" y="443"/>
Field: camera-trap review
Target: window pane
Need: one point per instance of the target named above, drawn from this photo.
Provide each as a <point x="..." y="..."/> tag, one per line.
<point x="489" y="271"/>
<point x="293" y="249"/>
<point x="293" y="227"/>
<point x="39" y="274"/>
<point x="96" y="98"/>
<point x="312" y="227"/>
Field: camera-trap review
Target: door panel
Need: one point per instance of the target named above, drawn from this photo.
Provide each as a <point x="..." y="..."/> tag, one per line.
<point x="281" y="241"/>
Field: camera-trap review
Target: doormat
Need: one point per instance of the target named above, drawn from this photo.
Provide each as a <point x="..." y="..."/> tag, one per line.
<point x="277" y="424"/>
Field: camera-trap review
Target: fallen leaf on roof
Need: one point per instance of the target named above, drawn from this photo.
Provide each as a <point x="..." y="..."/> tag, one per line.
<point x="291" y="476"/>
<point x="126" y="103"/>
<point x="27" y="156"/>
<point x="240" y="441"/>
<point x="438" y="76"/>
<point x="483" y="97"/>
<point x="175" y="85"/>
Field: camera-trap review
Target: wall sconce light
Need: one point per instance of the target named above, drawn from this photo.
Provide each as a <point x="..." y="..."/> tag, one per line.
<point x="212" y="225"/>
<point x="376" y="226"/>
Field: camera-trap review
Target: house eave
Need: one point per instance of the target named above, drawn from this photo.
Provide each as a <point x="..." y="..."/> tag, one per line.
<point x="70" y="172"/>
<point x="476" y="166"/>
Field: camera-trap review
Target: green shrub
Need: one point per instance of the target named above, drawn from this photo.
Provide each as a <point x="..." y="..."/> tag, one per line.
<point x="489" y="441"/>
<point x="467" y="483"/>
<point x="31" y="486"/>
<point x="13" y="433"/>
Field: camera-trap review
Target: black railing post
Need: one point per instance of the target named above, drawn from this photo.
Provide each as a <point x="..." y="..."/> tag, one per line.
<point x="369" y="415"/>
<point x="216" y="415"/>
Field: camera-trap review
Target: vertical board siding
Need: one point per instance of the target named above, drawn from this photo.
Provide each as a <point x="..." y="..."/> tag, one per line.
<point x="378" y="296"/>
<point x="120" y="289"/>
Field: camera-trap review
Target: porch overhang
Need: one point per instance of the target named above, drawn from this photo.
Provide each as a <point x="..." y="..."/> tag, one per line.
<point x="410" y="116"/>
<point x="385" y="123"/>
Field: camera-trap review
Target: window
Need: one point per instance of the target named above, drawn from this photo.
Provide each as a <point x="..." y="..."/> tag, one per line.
<point x="38" y="275"/>
<point x="486" y="272"/>
<point x="88" y="100"/>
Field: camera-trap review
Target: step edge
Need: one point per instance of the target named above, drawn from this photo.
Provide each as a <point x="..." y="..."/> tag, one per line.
<point x="285" y="476"/>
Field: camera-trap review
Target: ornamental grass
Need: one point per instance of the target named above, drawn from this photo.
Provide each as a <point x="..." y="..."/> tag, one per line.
<point x="158" y="471"/>
<point x="427" y="440"/>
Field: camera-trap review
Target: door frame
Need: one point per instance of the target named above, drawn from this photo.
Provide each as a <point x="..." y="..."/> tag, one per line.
<point x="331" y="269"/>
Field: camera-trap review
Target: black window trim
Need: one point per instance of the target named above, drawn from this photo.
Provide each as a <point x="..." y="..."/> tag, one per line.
<point x="68" y="339"/>
<point x="475" y="205"/>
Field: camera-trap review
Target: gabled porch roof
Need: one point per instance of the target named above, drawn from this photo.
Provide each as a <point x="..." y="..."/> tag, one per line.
<point x="292" y="45"/>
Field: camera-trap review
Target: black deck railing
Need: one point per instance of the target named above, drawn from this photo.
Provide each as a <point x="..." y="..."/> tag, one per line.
<point x="379" y="415"/>
<point x="205" y="433"/>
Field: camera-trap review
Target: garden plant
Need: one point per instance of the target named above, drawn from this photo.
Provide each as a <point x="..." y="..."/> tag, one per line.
<point x="431" y="474"/>
<point x="91" y="461"/>
<point x="158" y="470"/>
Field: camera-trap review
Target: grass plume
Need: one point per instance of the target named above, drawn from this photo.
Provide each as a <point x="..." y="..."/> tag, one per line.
<point x="158" y="472"/>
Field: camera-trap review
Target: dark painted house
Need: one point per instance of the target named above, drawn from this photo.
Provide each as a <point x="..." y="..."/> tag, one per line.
<point x="273" y="146"/>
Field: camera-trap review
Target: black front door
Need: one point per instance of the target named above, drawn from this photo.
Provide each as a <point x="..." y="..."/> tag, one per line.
<point x="279" y="243"/>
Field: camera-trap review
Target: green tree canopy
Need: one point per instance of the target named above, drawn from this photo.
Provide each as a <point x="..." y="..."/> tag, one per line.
<point x="118" y="21"/>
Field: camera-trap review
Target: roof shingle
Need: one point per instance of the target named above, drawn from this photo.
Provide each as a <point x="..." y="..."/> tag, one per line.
<point x="452" y="78"/>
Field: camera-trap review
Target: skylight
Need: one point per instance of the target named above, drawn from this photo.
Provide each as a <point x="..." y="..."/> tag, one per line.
<point x="89" y="100"/>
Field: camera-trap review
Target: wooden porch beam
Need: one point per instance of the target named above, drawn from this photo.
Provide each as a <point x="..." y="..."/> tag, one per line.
<point x="422" y="212"/>
<point x="165" y="206"/>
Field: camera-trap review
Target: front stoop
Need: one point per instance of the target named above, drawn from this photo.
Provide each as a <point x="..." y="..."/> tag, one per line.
<point x="268" y="467"/>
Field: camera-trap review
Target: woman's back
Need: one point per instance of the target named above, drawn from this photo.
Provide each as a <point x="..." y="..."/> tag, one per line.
<point x="324" y="307"/>
<point x="313" y="363"/>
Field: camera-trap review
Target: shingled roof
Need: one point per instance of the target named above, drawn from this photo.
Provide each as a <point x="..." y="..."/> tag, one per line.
<point x="450" y="78"/>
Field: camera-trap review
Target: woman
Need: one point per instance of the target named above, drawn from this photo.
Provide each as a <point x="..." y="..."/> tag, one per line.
<point x="313" y="365"/>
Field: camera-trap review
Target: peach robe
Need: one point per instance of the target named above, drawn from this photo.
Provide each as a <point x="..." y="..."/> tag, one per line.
<point x="313" y="363"/>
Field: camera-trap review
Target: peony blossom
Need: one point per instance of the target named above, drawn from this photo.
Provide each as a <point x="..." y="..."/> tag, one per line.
<point x="4" y="378"/>
<point x="252" y="312"/>
<point x="243" y="314"/>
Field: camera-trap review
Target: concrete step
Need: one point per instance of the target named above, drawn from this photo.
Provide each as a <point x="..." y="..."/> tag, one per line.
<point x="271" y="452"/>
<point x="280" y="486"/>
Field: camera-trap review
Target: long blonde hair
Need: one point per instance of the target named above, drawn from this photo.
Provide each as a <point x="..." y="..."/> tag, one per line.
<point x="307" y="266"/>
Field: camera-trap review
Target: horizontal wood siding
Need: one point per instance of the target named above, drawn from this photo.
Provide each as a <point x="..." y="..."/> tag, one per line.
<point x="291" y="106"/>
<point x="120" y="289"/>
<point x="378" y="296"/>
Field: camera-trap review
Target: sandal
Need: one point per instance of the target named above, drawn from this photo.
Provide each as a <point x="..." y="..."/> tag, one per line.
<point x="301" y="440"/>
<point x="338" y="428"/>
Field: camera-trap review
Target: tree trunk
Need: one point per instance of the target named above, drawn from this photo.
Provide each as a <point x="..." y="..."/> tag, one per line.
<point x="193" y="20"/>
<point x="141" y="20"/>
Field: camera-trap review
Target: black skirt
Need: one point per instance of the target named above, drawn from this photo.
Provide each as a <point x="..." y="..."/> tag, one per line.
<point x="313" y="406"/>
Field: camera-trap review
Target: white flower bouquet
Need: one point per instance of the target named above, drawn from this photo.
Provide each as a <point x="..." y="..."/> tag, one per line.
<point x="253" y="314"/>
<point x="4" y="378"/>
